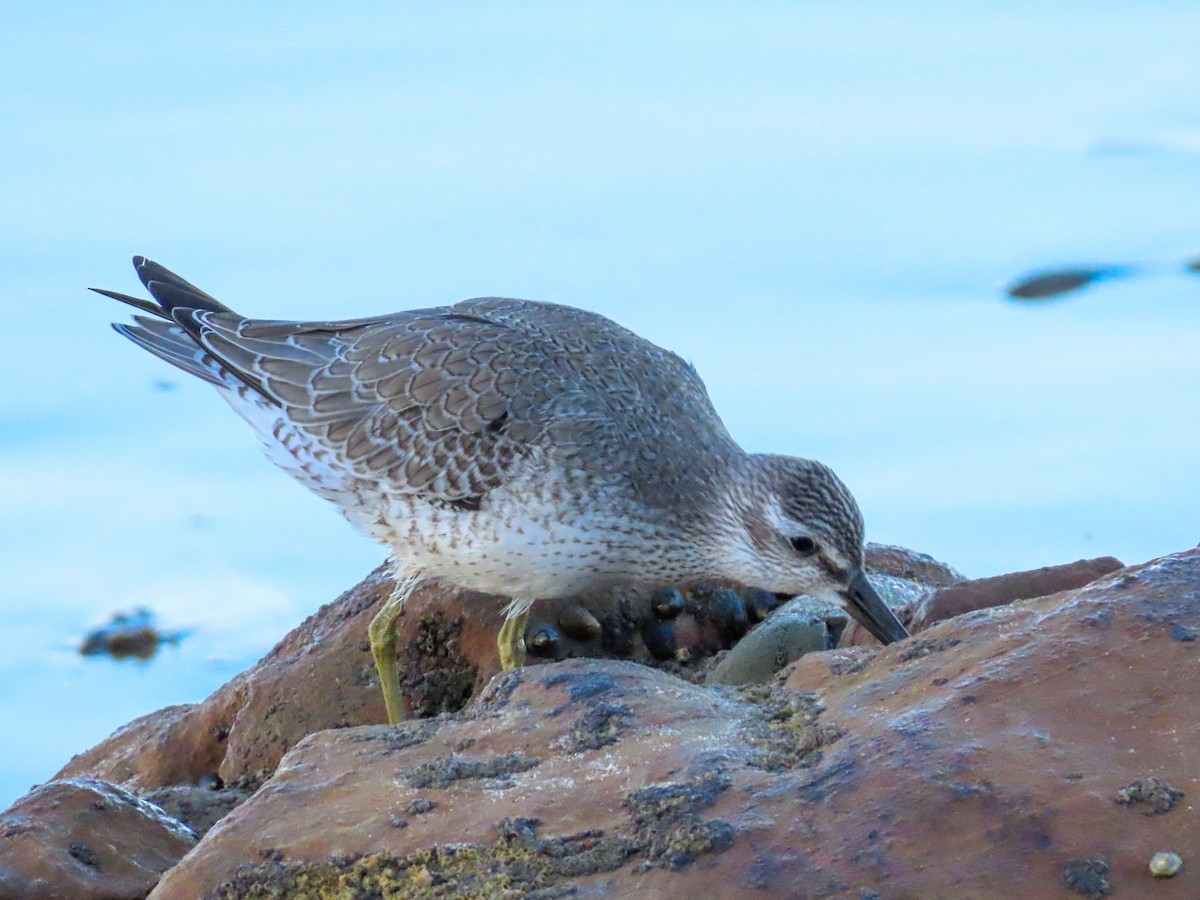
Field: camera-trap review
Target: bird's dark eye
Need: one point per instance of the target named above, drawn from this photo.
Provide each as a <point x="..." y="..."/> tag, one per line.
<point x="804" y="545"/>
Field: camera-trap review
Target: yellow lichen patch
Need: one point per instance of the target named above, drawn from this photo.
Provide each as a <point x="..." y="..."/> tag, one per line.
<point x="665" y="830"/>
<point x="784" y="733"/>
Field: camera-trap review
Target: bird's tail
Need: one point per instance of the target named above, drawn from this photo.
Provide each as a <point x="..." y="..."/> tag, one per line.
<point x="160" y="332"/>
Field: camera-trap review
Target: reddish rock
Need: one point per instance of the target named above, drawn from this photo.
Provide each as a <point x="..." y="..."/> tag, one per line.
<point x="994" y="754"/>
<point x="942" y="593"/>
<point x="322" y="675"/>
<point x="1009" y="752"/>
<point x="1011" y="749"/>
<point x="981" y="593"/>
<point x="586" y="773"/>
<point x="199" y="807"/>
<point x="901" y="562"/>
<point x="169" y="746"/>
<point x="85" y="838"/>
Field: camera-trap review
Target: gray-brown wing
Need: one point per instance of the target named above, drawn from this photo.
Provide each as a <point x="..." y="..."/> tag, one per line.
<point x="626" y="398"/>
<point x="425" y="401"/>
<point x="450" y="402"/>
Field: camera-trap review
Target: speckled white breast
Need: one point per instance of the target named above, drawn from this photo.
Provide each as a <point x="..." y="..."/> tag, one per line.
<point x="520" y="543"/>
<point x="536" y="537"/>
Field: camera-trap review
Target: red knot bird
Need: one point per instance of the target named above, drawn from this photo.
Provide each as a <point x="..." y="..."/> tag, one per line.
<point x="516" y="448"/>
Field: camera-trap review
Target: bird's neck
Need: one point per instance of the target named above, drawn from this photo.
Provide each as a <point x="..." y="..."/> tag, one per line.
<point x="737" y="527"/>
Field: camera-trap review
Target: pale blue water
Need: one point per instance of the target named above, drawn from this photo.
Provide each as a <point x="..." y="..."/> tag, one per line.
<point x="817" y="206"/>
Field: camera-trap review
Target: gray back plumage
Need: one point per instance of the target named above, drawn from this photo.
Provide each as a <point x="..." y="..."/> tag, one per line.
<point x="450" y="402"/>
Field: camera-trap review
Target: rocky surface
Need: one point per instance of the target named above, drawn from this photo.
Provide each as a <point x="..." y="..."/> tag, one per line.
<point x="320" y="676"/>
<point x="1013" y="749"/>
<point x="83" y="838"/>
<point x="900" y="562"/>
<point x="577" y="774"/>
<point x="1044" y="747"/>
<point x="1008" y="751"/>
<point x="955" y="599"/>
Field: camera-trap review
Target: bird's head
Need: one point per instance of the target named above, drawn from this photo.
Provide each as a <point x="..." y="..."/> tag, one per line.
<point x="803" y="534"/>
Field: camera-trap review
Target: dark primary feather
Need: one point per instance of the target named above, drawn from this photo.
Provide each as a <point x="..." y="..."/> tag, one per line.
<point x="171" y="291"/>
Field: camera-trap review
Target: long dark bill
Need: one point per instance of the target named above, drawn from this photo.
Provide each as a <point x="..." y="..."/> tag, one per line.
<point x="871" y="612"/>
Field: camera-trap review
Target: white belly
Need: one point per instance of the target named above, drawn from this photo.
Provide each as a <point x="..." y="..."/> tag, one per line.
<point x="524" y="542"/>
<point x="529" y="551"/>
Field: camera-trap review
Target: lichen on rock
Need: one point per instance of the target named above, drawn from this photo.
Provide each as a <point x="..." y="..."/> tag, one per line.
<point x="1158" y="796"/>
<point x="665" y="829"/>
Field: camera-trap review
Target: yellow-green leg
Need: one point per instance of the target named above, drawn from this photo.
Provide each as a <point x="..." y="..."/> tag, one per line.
<point x="511" y="639"/>
<point x="382" y="632"/>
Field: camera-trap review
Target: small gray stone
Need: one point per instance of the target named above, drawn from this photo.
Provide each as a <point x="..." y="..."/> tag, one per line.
<point x="1165" y="864"/>
<point x="800" y="626"/>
